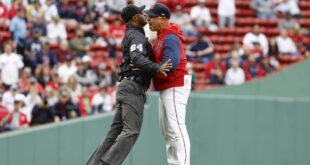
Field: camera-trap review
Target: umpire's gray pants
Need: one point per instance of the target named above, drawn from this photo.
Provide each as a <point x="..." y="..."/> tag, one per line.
<point x="125" y="127"/>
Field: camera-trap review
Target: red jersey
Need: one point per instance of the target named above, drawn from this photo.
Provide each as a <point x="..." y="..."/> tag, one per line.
<point x="175" y="78"/>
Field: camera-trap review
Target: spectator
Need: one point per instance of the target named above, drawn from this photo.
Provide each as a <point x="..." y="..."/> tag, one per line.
<point x="273" y="49"/>
<point x="32" y="49"/>
<point x="51" y="96"/>
<point x="287" y="23"/>
<point x="288" y="6"/>
<point x="173" y="3"/>
<point x="38" y="23"/>
<point x="234" y="75"/>
<point x="67" y="69"/>
<point x="67" y="10"/>
<point x="102" y="31"/>
<point x="147" y="3"/>
<point x="33" y="97"/>
<point x="215" y="70"/>
<point x="23" y="109"/>
<point x="80" y="10"/>
<point x="79" y="44"/>
<point x="252" y="69"/>
<point x="106" y="75"/>
<point x="56" y="81"/>
<point x="234" y="55"/>
<point x="4" y="14"/>
<point x="42" y="114"/>
<point x="34" y="10"/>
<point x="256" y="38"/>
<point x="8" y="97"/>
<point x="102" y="101"/>
<point x="286" y="45"/>
<point x="36" y="87"/>
<point x="47" y="56"/>
<point x="51" y="10"/>
<point x="116" y="5"/>
<point x="265" y="9"/>
<point x="16" y="6"/>
<point x="267" y="66"/>
<point x="18" y="29"/>
<point x="201" y="15"/>
<point x="84" y="102"/>
<point x="117" y="32"/>
<point x="201" y="50"/>
<point x="26" y="83"/>
<point x="85" y="76"/>
<point x="56" y="30"/>
<point x="74" y="88"/>
<point x="45" y="75"/>
<point x="17" y="119"/>
<point x="237" y="46"/>
<point x="10" y="3"/>
<point x="10" y="63"/>
<point x="65" y="109"/>
<point x="23" y="84"/>
<point x="184" y="21"/>
<point x="298" y="36"/>
<point x="88" y="28"/>
<point x="3" y="113"/>
<point x="307" y="47"/>
<point x="226" y="11"/>
<point x="63" y="51"/>
<point x="101" y="9"/>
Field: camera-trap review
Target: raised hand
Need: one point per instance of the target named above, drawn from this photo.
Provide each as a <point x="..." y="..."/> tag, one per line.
<point x="164" y="68"/>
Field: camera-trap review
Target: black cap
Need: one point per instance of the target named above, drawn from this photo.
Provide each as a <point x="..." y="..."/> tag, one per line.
<point x="131" y="10"/>
<point x="159" y="10"/>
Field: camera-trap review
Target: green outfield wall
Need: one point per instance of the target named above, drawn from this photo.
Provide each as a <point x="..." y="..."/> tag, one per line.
<point x="224" y="130"/>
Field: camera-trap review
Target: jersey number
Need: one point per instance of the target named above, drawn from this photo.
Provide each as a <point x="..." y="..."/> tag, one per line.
<point x="134" y="47"/>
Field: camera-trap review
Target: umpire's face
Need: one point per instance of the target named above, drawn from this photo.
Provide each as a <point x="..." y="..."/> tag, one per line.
<point x="140" y="19"/>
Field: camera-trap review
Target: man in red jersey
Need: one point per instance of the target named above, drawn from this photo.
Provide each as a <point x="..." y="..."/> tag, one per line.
<point x="174" y="88"/>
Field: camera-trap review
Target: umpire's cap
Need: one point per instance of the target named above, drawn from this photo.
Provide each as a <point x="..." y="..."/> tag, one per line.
<point x="159" y="10"/>
<point x="131" y="10"/>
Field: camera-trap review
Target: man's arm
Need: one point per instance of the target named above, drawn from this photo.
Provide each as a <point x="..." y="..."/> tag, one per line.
<point x="207" y="50"/>
<point x="172" y="51"/>
<point x="137" y="52"/>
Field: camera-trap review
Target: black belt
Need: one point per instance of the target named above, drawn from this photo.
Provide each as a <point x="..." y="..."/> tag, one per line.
<point x="133" y="78"/>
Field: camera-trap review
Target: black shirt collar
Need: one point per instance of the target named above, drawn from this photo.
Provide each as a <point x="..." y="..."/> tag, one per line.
<point x="130" y="26"/>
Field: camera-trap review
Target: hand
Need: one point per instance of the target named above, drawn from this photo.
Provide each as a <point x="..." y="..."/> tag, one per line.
<point x="133" y="67"/>
<point x="56" y="119"/>
<point x="73" y="114"/>
<point x="165" y="67"/>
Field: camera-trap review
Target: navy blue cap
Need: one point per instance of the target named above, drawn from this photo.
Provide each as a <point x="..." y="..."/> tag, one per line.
<point x="158" y="10"/>
<point x="131" y="10"/>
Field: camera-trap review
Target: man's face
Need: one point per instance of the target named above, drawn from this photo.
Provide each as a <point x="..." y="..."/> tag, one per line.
<point x="20" y="14"/>
<point x="8" y="49"/>
<point x="256" y="29"/>
<point x="155" y="23"/>
<point x="37" y="35"/>
<point x="140" y="18"/>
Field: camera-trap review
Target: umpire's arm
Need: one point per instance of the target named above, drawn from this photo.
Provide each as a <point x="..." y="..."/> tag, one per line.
<point x="137" y="55"/>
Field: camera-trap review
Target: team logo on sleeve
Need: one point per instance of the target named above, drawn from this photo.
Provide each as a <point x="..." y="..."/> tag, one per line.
<point x="158" y="46"/>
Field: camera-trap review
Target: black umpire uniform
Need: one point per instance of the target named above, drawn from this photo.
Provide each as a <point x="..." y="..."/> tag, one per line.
<point x="130" y="95"/>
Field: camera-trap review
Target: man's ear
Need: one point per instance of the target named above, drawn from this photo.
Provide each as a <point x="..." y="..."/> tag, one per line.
<point x="134" y="17"/>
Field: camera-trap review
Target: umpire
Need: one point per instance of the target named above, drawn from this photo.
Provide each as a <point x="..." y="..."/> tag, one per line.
<point x="136" y="71"/>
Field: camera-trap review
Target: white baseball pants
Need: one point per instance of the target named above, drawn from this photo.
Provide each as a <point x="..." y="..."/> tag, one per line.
<point x="172" y="112"/>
